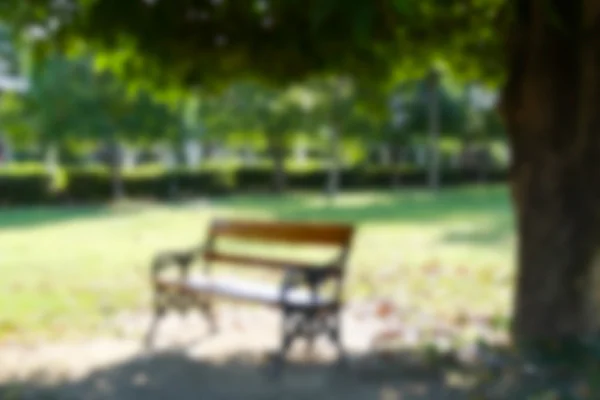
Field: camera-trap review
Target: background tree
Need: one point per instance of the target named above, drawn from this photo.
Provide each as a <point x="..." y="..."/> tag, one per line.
<point x="333" y="109"/>
<point x="345" y="109"/>
<point x="428" y="123"/>
<point x="68" y="101"/>
<point x="249" y="108"/>
<point x="119" y="118"/>
<point x="482" y="126"/>
<point x="12" y="84"/>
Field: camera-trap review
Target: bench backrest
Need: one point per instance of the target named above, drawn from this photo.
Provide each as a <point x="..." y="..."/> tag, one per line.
<point x="298" y="233"/>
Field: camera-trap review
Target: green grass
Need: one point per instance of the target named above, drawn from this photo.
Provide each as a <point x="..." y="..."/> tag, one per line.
<point x="67" y="270"/>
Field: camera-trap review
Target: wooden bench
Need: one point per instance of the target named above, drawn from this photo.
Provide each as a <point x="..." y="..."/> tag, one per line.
<point x="307" y="312"/>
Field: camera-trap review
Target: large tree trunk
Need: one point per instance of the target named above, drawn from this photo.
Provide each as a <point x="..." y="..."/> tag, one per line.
<point x="550" y="105"/>
<point x="434" y="132"/>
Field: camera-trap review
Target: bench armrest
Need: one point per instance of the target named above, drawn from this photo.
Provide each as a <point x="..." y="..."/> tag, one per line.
<point x="180" y="259"/>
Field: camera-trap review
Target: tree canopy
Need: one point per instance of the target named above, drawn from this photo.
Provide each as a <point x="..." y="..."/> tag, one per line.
<point x="209" y="42"/>
<point x="67" y="101"/>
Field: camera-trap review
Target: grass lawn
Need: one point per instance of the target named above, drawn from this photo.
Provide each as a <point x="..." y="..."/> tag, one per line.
<point x="67" y="271"/>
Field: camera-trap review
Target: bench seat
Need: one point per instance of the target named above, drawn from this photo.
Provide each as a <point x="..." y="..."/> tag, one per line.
<point x="243" y="289"/>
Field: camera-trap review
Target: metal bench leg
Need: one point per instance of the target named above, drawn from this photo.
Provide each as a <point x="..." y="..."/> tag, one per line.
<point x="311" y="334"/>
<point x="292" y="324"/>
<point x="335" y="335"/>
<point x="159" y="312"/>
<point x="207" y="310"/>
<point x="315" y="325"/>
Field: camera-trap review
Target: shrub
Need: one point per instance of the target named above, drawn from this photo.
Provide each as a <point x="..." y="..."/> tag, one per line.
<point x="33" y="184"/>
<point x="254" y="178"/>
<point x="95" y="183"/>
<point x="26" y="184"/>
<point x="88" y="184"/>
<point x="309" y="179"/>
<point x="192" y="182"/>
<point x="261" y="177"/>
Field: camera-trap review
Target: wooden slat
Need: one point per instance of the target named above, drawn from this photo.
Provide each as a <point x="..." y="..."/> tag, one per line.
<point x="182" y="288"/>
<point x="289" y="232"/>
<point x="278" y="264"/>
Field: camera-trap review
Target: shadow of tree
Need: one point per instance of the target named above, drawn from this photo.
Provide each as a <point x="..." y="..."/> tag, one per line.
<point x="498" y="229"/>
<point x="405" y="375"/>
<point x="174" y="375"/>
<point x="409" y="206"/>
<point x="36" y="216"/>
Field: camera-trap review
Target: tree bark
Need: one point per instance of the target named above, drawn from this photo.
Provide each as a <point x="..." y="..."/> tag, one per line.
<point x="178" y="160"/>
<point x="396" y="166"/>
<point x="383" y="151"/>
<point x="277" y="150"/>
<point x="115" y="158"/>
<point x="51" y="157"/>
<point x="483" y="162"/>
<point x="333" y="179"/>
<point x="336" y="126"/>
<point x="550" y="106"/>
<point x="434" y="132"/>
<point x="5" y="151"/>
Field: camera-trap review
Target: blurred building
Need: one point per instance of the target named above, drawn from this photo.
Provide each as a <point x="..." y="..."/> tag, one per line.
<point x="11" y="81"/>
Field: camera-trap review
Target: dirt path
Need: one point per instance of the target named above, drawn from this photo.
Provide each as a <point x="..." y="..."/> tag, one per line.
<point x="185" y="364"/>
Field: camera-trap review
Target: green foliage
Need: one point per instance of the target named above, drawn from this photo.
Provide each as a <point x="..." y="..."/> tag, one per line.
<point x="212" y="43"/>
<point x="69" y="101"/>
<point x="29" y="184"/>
<point x="95" y="183"/>
<point x="416" y="99"/>
<point x="9" y="55"/>
<point x="252" y="114"/>
<point x="32" y="184"/>
<point x="18" y="129"/>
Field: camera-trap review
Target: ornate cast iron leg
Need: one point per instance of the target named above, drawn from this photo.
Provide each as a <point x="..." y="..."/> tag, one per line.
<point x="160" y="309"/>
<point x="207" y="310"/>
<point x="334" y="334"/>
<point x="292" y="323"/>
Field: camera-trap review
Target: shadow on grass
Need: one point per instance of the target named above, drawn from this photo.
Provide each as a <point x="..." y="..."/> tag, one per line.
<point x="359" y="207"/>
<point x="496" y="231"/>
<point x="32" y="217"/>
<point x="406" y="375"/>
<point x="408" y="206"/>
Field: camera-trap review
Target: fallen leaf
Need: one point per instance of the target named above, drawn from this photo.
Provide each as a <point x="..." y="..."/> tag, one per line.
<point x="461" y="319"/>
<point x="385" y="309"/>
<point x="462" y="271"/>
<point x="432" y="268"/>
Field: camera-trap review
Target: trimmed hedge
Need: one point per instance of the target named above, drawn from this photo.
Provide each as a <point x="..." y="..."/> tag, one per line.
<point x="249" y="179"/>
<point x="95" y="184"/>
<point x="34" y="185"/>
<point x="28" y="184"/>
